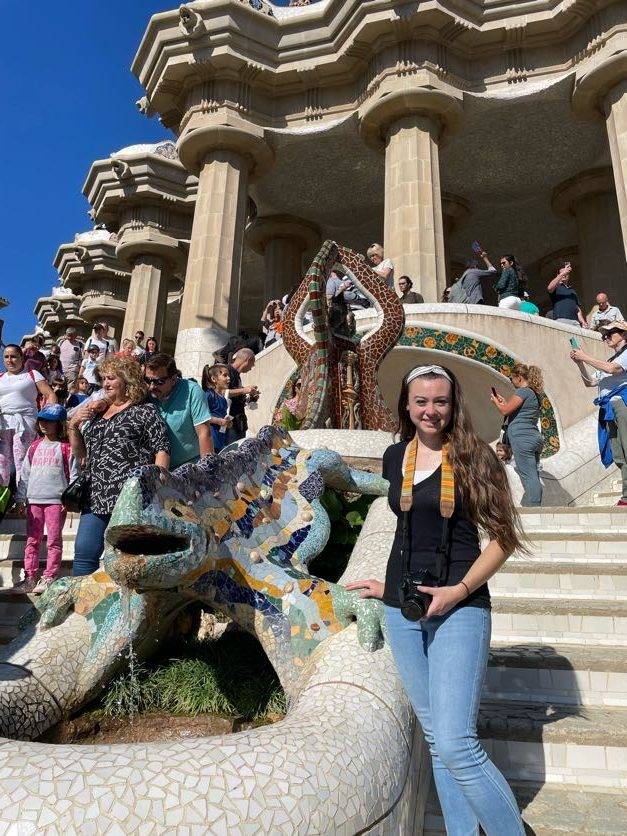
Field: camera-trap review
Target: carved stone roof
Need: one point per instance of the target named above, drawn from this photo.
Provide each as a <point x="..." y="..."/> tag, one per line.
<point x="93" y="235"/>
<point x="165" y="148"/>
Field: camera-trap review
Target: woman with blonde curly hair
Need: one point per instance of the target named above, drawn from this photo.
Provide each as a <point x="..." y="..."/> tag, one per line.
<point x="128" y="434"/>
<point x="522" y="412"/>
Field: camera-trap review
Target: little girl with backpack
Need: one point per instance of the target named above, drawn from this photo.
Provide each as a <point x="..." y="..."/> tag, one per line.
<point x="47" y="470"/>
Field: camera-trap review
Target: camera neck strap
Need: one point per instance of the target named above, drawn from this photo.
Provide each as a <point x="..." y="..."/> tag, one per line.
<point x="447" y="503"/>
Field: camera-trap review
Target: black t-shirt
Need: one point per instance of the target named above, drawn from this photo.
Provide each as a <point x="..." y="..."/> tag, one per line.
<point x="426" y="532"/>
<point x="238" y="402"/>
<point x="565" y="302"/>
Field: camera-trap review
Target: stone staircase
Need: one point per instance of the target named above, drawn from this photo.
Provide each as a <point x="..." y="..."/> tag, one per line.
<point x="12" y="544"/>
<point x="610" y="495"/>
<point x="554" y="715"/>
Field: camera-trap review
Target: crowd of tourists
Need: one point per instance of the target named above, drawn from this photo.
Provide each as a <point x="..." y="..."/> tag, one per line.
<point x="78" y="417"/>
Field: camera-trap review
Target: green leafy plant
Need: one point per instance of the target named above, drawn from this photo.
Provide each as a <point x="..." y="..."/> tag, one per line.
<point x="347" y="514"/>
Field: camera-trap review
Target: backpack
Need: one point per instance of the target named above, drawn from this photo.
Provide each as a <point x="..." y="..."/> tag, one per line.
<point x="66" y="452"/>
<point x="458" y="292"/>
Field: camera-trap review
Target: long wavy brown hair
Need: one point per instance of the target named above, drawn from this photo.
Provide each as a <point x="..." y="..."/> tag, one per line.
<point x="479" y="475"/>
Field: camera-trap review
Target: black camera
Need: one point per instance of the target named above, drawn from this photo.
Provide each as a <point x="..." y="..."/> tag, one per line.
<point x="414" y="603"/>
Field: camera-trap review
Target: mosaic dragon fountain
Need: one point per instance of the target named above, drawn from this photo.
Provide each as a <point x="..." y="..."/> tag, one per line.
<point x="338" y="372"/>
<point x="235" y="532"/>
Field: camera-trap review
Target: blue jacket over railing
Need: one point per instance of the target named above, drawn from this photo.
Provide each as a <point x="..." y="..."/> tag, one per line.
<point x="606" y="413"/>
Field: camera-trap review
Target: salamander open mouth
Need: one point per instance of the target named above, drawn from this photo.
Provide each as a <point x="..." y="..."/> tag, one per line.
<point x="145" y="540"/>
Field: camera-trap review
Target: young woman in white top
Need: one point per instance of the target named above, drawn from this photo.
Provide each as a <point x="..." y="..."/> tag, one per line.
<point x="19" y="391"/>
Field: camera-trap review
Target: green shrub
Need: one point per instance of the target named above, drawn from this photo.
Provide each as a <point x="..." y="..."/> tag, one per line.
<point x="230" y="677"/>
<point x="347" y="516"/>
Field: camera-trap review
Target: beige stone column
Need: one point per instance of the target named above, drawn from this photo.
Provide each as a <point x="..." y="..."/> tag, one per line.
<point x="590" y="199"/>
<point x="600" y="92"/>
<point x="410" y="121"/>
<point x="282" y="240"/>
<point x="147" y="296"/>
<point x="413" y="226"/>
<point x="210" y="304"/>
<point x="616" y="113"/>
<point x="153" y="256"/>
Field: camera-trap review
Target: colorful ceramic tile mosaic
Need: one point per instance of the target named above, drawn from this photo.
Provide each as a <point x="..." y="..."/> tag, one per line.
<point x="312" y="772"/>
<point x="237" y="532"/>
<point x="322" y="364"/>
<point x="489" y="355"/>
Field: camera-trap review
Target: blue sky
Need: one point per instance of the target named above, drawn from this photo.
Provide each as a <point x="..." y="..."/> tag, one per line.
<point x="67" y="98"/>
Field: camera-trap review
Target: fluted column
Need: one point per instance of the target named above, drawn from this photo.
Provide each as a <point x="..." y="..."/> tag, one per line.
<point x="600" y="92"/>
<point x="409" y="122"/>
<point x="147" y="296"/>
<point x="616" y="114"/>
<point x="413" y="227"/>
<point x="153" y="257"/>
<point x="282" y="240"/>
<point x="210" y="305"/>
<point x="590" y="199"/>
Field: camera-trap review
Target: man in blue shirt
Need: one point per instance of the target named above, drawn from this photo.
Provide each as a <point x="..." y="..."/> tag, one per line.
<point x="183" y="406"/>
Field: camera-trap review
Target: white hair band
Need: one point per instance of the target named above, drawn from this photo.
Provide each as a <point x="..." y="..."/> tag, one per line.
<point x="419" y="371"/>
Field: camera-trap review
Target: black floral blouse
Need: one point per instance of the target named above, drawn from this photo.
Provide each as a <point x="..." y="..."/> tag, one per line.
<point x="118" y="445"/>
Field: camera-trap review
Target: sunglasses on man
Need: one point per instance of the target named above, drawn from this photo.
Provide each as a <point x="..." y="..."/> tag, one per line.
<point x="156" y="381"/>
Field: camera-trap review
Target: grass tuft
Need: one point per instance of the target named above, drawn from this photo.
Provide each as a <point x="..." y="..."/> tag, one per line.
<point x="230" y="677"/>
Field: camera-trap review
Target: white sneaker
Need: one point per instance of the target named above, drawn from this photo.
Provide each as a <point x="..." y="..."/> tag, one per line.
<point x="43" y="585"/>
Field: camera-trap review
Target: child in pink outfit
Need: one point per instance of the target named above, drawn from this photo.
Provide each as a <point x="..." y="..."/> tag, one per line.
<point x="47" y="470"/>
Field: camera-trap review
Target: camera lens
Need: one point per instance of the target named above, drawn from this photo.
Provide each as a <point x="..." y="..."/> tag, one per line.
<point x="414" y="610"/>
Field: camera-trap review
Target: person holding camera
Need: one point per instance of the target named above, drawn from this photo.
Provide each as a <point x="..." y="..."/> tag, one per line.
<point x="445" y="484"/>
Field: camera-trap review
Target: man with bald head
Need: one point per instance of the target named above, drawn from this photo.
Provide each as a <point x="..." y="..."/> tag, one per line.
<point x="242" y="361"/>
<point x="605" y="312"/>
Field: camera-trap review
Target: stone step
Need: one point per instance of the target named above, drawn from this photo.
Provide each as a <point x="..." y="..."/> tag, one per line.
<point x="557" y="743"/>
<point x="548" y="810"/>
<point x="561" y="577"/>
<point x="12" y="571"/>
<point x="575" y="518"/>
<point x="582" y="543"/>
<point x="568" y="674"/>
<point x="12" y="545"/>
<point x="606" y="499"/>
<point x="13" y="607"/>
<point x="562" y="620"/>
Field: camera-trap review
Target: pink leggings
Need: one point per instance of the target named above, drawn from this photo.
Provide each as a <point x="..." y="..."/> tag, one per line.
<point x="53" y="517"/>
<point x="13" y="448"/>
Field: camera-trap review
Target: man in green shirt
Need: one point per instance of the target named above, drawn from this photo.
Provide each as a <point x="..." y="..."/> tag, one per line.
<point x="183" y="406"/>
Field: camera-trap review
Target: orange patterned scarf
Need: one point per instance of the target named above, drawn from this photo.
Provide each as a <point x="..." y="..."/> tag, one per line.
<point x="447" y="482"/>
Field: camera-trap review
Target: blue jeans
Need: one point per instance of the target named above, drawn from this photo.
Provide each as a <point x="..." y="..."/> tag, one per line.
<point x="442" y="664"/>
<point x="526" y="447"/>
<point x="89" y="542"/>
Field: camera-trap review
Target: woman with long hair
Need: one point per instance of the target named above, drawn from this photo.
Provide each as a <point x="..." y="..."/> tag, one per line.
<point x="510" y="284"/>
<point x="446" y="484"/>
<point x="522" y="411"/>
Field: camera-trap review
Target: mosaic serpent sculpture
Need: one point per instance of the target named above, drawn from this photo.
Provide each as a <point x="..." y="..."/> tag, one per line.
<point x="316" y="771"/>
<point x="235" y="532"/>
<point x="323" y="363"/>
